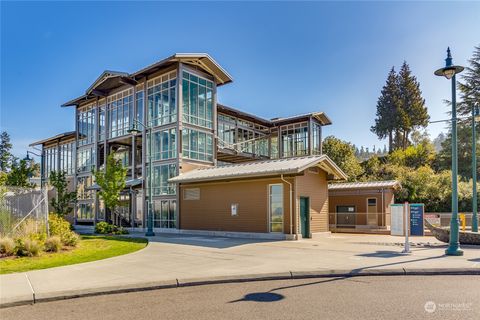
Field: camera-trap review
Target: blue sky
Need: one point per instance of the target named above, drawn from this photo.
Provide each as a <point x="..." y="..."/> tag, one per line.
<point x="285" y="58"/>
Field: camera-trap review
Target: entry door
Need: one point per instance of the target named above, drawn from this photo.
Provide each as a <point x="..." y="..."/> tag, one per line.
<point x="346" y="216"/>
<point x="372" y="212"/>
<point x="305" y="216"/>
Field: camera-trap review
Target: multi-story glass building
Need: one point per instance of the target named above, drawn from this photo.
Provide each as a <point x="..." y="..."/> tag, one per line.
<point x="177" y="97"/>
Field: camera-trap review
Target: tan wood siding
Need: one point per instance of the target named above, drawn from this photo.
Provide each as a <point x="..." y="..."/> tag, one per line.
<point x="213" y="210"/>
<point x="314" y="186"/>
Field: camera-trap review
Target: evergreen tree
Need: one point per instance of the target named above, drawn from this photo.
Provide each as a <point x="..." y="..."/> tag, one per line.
<point x="20" y="173"/>
<point x="470" y="86"/>
<point x="388" y="108"/>
<point x="414" y="114"/>
<point x="5" y="155"/>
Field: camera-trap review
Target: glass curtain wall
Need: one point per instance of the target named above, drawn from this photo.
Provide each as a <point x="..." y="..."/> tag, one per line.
<point x="66" y="157"/>
<point x="161" y="174"/>
<point x="85" y="159"/>
<point x="165" y="213"/>
<point x="316" y="133"/>
<point x="164" y="145"/>
<point x="226" y="130"/>
<point x="197" y="145"/>
<point x="197" y="103"/>
<point x="161" y="95"/>
<point x="294" y="139"/>
<point x="86" y="125"/>
<point x="120" y="113"/>
<point x="50" y="164"/>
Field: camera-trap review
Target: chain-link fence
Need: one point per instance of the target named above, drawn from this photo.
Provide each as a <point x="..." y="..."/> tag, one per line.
<point x="23" y="211"/>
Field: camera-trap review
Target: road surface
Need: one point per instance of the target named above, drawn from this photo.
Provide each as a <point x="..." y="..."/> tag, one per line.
<point x="402" y="297"/>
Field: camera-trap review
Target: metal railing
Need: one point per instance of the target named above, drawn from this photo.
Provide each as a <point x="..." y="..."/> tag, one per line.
<point x="359" y="220"/>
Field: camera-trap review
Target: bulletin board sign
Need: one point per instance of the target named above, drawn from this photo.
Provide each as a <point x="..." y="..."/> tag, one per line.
<point x="416" y="219"/>
<point x="397" y="227"/>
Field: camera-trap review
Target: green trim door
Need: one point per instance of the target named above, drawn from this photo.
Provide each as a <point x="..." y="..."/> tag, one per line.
<point x="305" y="216"/>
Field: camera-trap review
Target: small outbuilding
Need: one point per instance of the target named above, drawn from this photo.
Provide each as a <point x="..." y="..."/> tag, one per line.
<point x="361" y="205"/>
<point x="284" y="198"/>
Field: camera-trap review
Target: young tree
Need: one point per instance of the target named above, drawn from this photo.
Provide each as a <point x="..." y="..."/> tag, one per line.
<point x="414" y="114"/>
<point x="20" y="173"/>
<point x="111" y="182"/>
<point x="388" y="110"/>
<point x="62" y="203"/>
<point x="5" y="155"/>
<point x="343" y="154"/>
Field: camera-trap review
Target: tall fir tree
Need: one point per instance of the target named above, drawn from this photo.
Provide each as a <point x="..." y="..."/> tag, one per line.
<point x="6" y="157"/>
<point x="469" y="87"/>
<point x="414" y="114"/>
<point x="388" y="108"/>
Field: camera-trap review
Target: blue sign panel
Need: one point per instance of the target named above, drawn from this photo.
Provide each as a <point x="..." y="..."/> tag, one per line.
<point x="416" y="219"/>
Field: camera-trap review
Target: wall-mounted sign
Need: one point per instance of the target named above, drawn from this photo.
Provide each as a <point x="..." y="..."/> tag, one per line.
<point x="433" y="219"/>
<point x="416" y="219"/>
<point x="234" y="209"/>
<point x="397" y="220"/>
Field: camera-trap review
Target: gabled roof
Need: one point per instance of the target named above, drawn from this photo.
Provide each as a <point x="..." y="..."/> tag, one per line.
<point x="393" y="184"/>
<point x="262" y="168"/>
<point x="320" y="116"/>
<point x="59" y="137"/>
<point x="109" y="80"/>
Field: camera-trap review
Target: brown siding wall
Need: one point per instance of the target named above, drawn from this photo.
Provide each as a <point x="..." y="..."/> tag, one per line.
<point x="189" y="166"/>
<point x="213" y="210"/>
<point x="360" y="202"/>
<point x="314" y="186"/>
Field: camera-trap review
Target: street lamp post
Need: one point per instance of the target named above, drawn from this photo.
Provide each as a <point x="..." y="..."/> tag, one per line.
<point x="27" y="158"/>
<point x="134" y="130"/>
<point x="449" y="72"/>
<point x="475" y="113"/>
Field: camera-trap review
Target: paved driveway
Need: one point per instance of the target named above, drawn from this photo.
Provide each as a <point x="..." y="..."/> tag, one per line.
<point x="172" y="257"/>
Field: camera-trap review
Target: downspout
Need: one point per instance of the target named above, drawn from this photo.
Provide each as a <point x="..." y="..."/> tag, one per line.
<point x="383" y="208"/>
<point x="291" y="204"/>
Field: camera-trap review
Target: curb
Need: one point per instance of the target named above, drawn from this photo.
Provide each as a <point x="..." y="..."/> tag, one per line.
<point x="291" y="275"/>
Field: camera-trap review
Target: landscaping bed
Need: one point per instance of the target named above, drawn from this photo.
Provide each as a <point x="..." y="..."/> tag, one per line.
<point x="89" y="248"/>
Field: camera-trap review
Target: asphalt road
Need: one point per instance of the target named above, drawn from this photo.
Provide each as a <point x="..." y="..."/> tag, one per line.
<point x="402" y="297"/>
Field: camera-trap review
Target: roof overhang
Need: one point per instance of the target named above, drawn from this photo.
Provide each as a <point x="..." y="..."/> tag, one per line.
<point x="368" y="185"/>
<point x="58" y="138"/>
<point x="200" y="60"/>
<point x="241" y="114"/>
<point x="319" y="116"/>
<point x="323" y="162"/>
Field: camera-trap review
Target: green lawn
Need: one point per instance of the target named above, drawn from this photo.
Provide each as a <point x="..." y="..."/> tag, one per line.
<point x="90" y="248"/>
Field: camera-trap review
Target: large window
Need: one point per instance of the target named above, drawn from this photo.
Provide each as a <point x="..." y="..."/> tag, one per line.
<point x="161" y="174"/>
<point x="85" y="159"/>
<point x="66" y="157"/>
<point x="164" y="144"/>
<point x="165" y="213"/>
<point x="197" y="145"/>
<point x="294" y="139"/>
<point x="85" y="211"/>
<point x="50" y="160"/>
<point x="101" y="122"/>
<point x="139" y="97"/>
<point x="226" y="130"/>
<point x="86" y="125"/>
<point x="316" y="138"/>
<point x="83" y="188"/>
<point x="197" y="95"/>
<point x="120" y="113"/>
<point x="161" y="92"/>
<point x="276" y="207"/>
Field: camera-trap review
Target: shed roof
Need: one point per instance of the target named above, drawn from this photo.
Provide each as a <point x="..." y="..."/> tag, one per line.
<point x="364" y="185"/>
<point x="59" y="137"/>
<point x="261" y="169"/>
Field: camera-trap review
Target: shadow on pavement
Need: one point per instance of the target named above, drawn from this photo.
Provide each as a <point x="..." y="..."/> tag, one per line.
<point x="381" y="254"/>
<point x="202" y="241"/>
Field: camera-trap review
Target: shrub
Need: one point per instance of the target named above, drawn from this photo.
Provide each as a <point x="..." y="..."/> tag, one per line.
<point x="7" y="246"/>
<point x="71" y="239"/>
<point x="103" y="228"/>
<point x="29" y="247"/>
<point x="53" y="244"/>
<point x="106" y="228"/>
<point x="58" y="225"/>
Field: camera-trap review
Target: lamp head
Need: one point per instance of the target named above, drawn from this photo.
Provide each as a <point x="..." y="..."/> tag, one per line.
<point x="28" y="158"/>
<point x="449" y="70"/>
<point x="134" y="129"/>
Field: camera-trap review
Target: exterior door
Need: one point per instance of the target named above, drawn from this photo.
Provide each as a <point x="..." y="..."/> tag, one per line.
<point x="305" y="216"/>
<point x="372" y="212"/>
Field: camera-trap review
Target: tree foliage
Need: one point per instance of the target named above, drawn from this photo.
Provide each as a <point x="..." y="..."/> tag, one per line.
<point x="343" y="154"/>
<point x="6" y="157"/>
<point x="20" y="173"/>
<point x="400" y="109"/>
<point x="64" y="199"/>
<point x="111" y="182"/>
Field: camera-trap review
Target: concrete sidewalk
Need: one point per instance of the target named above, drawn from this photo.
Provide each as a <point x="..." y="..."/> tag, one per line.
<point x="176" y="260"/>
